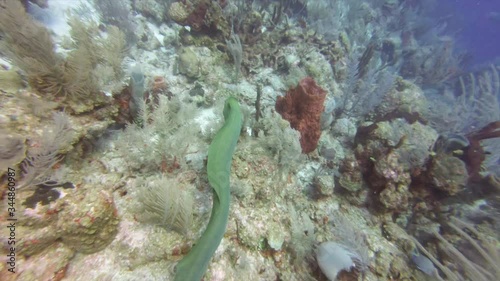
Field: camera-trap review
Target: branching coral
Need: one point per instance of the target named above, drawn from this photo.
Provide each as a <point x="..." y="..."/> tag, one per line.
<point x="472" y="103"/>
<point x="92" y="65"/>
<point x="474" y="154"/>
<point x="44" y="153"/>
<point x="462" y="263"/>
<point x="236" y="50"/>
<point x="168" y="204"/>
<point x="30" y="47"/>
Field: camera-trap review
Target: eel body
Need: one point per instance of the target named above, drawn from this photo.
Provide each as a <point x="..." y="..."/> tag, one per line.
<point x="220" y="153"/>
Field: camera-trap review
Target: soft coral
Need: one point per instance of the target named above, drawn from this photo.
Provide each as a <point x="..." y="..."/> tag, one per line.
<point x="474" y="154"/>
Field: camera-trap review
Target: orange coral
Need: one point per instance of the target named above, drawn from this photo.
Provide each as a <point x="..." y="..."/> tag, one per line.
<point x="159" y="84"/>
<point x="302" y="107"/>
<point x="158" y="87"/>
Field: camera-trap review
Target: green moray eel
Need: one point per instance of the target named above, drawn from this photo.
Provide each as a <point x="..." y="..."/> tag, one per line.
<point x="220" y="153"/>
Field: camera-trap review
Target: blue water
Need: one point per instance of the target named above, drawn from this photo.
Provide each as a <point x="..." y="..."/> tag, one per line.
<point x="477" y="27"/>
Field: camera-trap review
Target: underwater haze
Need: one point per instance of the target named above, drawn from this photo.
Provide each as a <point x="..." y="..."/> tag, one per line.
<point x="476" y="25"/>
<point x="267" y="140"/>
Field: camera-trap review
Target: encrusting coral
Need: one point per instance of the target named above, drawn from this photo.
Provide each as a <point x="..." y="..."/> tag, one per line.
<point x="85" y="220"/>
<point x="200" y="15"/>
<point x="302" y="107"/>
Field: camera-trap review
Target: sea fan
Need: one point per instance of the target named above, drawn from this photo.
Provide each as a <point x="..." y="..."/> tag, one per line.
<point x="350" y="251"/>
<point x="168" y="204"/>
<point x="37" y="166"/>
<point x="334" y="257"/>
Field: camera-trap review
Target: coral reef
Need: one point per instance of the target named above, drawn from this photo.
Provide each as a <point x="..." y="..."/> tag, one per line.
<point x="84" y="220"/>
<point x="201" y="15"/>
<point x="351" y="177"/>
<point x="111" y="180"/>
<point x="389" y="154"/>
<point x="448" y="173"/>
<point x="156" y="10"/>
<point x="302" y="107"/>
<point x="137" y="89"/>
<point x="166" y="203"/>
<point x="93" y="65"/>
<point x="89" y="223"/>
<point x="189" y="64"/>
<point x="12" y="151"/>
<point x="10" y="81"/>
<point x="474" y="154"/>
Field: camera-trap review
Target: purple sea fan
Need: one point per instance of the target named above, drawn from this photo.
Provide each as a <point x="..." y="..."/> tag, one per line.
<point x="350" y="251"/>
<point x="333" y="257"/>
